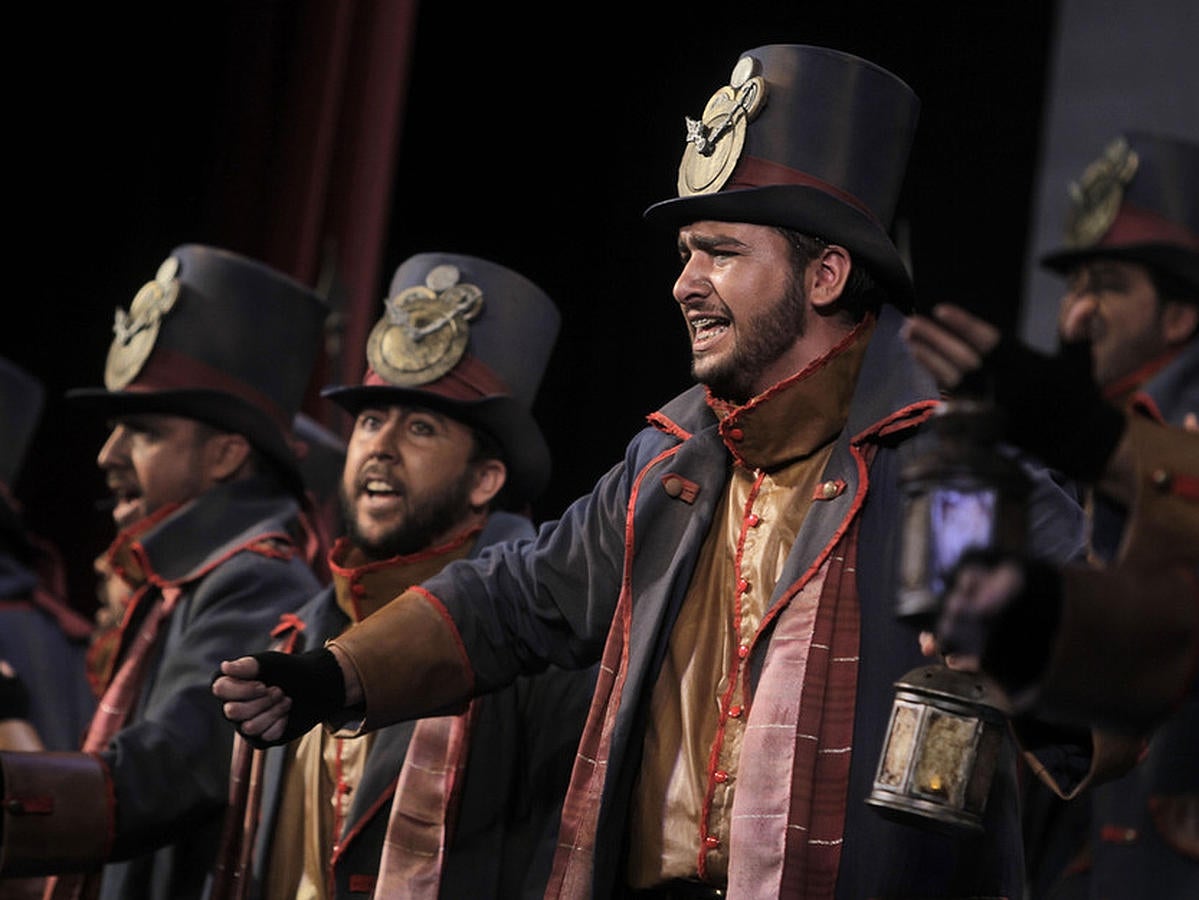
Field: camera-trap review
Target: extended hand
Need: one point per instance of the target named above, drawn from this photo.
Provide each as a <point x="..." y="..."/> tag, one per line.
<point x="273" y="698"/>
<point x="1001" y="614"/>
<point x="1051" y="405"/>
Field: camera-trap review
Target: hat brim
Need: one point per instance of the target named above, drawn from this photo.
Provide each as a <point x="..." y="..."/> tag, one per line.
<point x="215" y="408"/>
<point x="804" y="209"/>
<point x="526" y="452"/>
<point x="1180" y="263"/>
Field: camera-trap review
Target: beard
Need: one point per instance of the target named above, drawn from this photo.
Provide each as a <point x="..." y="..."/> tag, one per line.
<point x="426" y="519"/>
<point x="761" y="340"/>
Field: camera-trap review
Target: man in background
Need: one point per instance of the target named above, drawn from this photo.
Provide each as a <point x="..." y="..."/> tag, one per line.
<point x="205" y="373"/>
<point x="444" y="456"/>
<point x="1128" y="365"/>
<point x="43" y="637"/>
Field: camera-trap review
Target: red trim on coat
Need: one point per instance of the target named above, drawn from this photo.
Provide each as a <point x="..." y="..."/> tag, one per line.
<point x="662" y="423"/>
<point x="580" y="807"/>
<point x="444" y="613"/>
<point x="367" y="815"/>
<point x="1131" y="384"/>
<point x="736" y="668"/>
<point x="734" y="412"/>
<point x="343" y="545"/>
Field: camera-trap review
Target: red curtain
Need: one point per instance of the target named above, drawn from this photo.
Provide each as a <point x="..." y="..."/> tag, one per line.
<point x="305" y="176"/>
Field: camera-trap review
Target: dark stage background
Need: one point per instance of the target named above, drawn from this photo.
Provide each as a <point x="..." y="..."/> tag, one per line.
<point x="535" y="140"/>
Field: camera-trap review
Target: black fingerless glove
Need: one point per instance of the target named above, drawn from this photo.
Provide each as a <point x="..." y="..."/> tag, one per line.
<point x="312" y="680"/>
<point x="14" y="697"/>
<point x="1017" y="649"/>
<point x="1052" y="407"/>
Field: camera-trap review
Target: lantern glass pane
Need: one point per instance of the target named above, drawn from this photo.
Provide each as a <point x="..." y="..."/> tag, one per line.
<point x="897" y="755"/>
<point x="943" y="769"/>
<point x="959" y="520"/>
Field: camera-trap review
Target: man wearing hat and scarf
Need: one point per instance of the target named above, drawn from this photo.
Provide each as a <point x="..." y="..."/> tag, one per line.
<point x="204" y="376"/>
<point x="1116" y="407"/>
<point x="735" y="572"/>
<point x="444" y="457"/>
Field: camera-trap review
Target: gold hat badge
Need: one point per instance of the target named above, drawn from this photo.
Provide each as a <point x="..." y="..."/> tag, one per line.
<point x="424" y="330"/>
<point x="135" y="332"/>
<point x="1096" y="197"/>
<point x="714" y="143"/>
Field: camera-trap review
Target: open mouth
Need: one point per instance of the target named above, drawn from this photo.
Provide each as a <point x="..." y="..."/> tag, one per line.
<point x="378" y="487"/>
<point x="706" y="330"/>
<point x="379" y="492"/>
<point x="126" y="504"/>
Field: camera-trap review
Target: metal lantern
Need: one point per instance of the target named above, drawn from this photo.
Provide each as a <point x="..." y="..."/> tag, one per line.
<point x="943" y="744"/>
<point x="947" y="727"/>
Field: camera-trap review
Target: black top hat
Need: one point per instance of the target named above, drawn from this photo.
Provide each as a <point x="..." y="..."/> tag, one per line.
<point x="1139" y="201"/>
<point x="805" y="138"/>
<point x="469" y="338"/>
<point x="22" y="398"/>
<point x="220" y="338"/>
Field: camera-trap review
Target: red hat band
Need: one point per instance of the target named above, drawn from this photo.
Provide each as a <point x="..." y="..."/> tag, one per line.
<point x="167" y="370"/>
<point x="1135" y="225"/>
<point x="753" y="172"/>
<point x="470" y="379"/>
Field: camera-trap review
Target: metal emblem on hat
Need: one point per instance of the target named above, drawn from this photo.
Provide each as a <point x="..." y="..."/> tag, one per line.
<point x="135" y="332"/>
<point x="1096" y="197"/>
<point x="714" y="143"/>
<point x="424" y="331"/>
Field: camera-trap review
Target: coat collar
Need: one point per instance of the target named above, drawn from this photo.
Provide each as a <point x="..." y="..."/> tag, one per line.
<point x="891" y="389"/>
<point x="187" y="541"/>
<point x="361" y="586"/>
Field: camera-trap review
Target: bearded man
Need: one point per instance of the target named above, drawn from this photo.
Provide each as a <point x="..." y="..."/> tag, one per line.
<point x="444" y="455"/>
<point x="736" y="572"/>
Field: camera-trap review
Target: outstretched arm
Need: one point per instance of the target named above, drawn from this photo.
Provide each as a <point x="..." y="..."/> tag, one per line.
<point x="273" y="698"/>
<point x="1051" y="405"/>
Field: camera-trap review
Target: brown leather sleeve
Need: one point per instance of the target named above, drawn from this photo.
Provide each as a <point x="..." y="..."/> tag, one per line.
<point x="58" y="813"/>
<point x="1108" y="755"/>
<point x="1127" y="647"/>
<point x="1163" y="523"/>
<point x="409" y="660"/>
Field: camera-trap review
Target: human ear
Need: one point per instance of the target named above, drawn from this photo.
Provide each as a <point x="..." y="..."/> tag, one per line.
<point x="489" y="477"/>
<point x="226" y="454"/>
<point x="1179" y="322"/>
<point x="828" y="274"/>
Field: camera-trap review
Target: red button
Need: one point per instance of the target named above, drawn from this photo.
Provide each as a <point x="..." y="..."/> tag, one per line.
<point x="743" y="651"/>
<point x="736" y="434"/>
<point x="753" y="520"/>
<point x="742" y="585"/>
<point x="735" y="712"/>
<point x="711" y="842"/>
<point x="720" y="776"/>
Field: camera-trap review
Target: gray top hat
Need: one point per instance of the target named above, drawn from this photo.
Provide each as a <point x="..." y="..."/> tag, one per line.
<point x="1138" y="201"/>
<point x="220" y="338"/>
<point x="806" y="138"/>
<point x="470" y="338"/>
